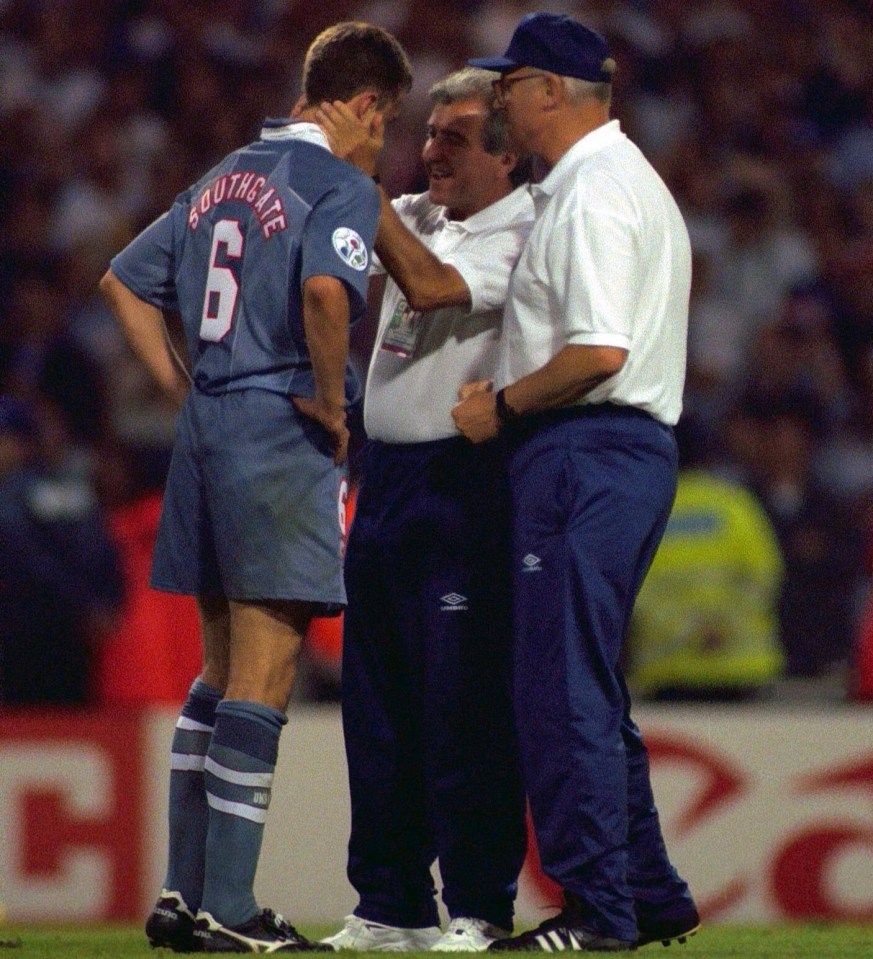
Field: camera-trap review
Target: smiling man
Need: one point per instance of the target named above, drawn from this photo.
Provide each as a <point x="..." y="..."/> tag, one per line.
<point x="432" y="757"/>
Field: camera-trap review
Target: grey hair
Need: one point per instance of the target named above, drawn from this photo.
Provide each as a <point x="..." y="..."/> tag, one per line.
<point x="579" y="90"/>
<point x="471" y="83"/>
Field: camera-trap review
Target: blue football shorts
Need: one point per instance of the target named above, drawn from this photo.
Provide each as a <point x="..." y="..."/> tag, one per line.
<point x="253" y="504"/>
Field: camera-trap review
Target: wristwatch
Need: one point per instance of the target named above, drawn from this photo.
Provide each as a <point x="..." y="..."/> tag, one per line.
<point x="505" y="413"/>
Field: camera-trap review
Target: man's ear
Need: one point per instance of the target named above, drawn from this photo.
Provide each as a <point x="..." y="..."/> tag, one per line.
<point x="555" y="90"/>
<point x="363" y="102"/>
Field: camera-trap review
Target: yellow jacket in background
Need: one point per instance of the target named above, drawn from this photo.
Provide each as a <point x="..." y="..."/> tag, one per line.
<point x="707" y="614"/>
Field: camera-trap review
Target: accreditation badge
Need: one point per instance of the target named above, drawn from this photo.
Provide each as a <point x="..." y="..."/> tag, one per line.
<point x="403" y="330"/>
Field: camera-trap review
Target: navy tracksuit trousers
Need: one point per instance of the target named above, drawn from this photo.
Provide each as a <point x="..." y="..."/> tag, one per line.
<point x="427" y="716"/>
<point x="592" y="490"/>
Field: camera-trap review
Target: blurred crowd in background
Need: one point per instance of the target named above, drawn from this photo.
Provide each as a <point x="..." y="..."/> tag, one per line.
<point x="759" y="116"/>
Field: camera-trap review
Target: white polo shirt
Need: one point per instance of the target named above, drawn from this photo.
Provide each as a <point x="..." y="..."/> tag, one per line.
<point x="608" y="263"/>
<point x="421" y="360"/>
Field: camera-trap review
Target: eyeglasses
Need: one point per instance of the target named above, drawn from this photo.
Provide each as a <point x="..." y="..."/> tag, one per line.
<point x="503" y="85"/>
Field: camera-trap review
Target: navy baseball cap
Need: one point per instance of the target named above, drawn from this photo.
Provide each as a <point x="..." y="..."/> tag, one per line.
<point x="557" y="44"/>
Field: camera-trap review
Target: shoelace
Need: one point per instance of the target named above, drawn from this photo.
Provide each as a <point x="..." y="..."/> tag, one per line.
<point x="464" y="924"/>
<point x="278" y="922"/>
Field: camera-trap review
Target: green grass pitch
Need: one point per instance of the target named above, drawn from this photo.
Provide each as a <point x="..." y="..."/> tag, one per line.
<point x="713" y="942"/>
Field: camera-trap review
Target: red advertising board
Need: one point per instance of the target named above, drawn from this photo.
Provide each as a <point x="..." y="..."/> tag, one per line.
<point x="71" y="815"/>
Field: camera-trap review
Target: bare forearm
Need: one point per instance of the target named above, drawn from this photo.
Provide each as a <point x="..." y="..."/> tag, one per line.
<point x="145" y="331"/>
<point x="425" y="281"/>
<point x="326" y="323"/>
<point x="570" y="375"/>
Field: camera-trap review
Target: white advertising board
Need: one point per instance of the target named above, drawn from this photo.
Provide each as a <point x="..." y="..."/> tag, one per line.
<point x="768" y="814"/>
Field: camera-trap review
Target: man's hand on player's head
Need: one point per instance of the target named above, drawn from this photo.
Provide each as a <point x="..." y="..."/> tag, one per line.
<point x="356" y="139"/>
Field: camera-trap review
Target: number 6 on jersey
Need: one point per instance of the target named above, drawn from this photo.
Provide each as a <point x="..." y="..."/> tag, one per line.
<point x="222" y="289"/>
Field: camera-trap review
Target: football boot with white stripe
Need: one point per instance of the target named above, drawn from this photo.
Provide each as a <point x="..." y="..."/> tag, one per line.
<point x="265" y="932"/>
<point x="562" y="933"/>
<point x="171" y="924"/>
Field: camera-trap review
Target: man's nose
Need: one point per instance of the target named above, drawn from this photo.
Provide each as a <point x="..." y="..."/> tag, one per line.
<point x="433" y="150"/>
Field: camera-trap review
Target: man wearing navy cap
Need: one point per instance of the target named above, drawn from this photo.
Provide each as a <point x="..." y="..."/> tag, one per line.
<point x="589" y="378"/>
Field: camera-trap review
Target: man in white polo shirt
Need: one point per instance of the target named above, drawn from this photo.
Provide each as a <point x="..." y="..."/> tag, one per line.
<point x="590" y="381"/>
<point x="433" y="764"/>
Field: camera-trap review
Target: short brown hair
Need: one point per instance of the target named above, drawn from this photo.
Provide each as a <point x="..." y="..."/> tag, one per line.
<point x="350" y="57"/>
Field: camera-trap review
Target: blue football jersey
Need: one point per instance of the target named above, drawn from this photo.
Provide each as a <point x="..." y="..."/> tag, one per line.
<point x="233" y="252"/>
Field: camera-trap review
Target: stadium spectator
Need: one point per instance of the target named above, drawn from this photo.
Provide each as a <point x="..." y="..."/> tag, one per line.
<point x="60" y="576"/>
<point x="58" y="68"/>
<point x="795" y="354"/>
<point x="101" y="192"/>
<point x="763" y="257"/>
<point x="718" y="346"/>
<point x="277" y="235"/>
<point x="822" y="543"/>
<point x="41" y="360"/>
<point x="706" y="621"/>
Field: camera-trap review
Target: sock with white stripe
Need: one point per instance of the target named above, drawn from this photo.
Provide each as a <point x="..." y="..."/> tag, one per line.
<point x="239" y="780"/>
<point x="189" y="813"/>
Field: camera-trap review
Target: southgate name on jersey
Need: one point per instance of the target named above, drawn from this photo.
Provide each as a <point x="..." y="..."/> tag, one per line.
<point x="247" y="187"/>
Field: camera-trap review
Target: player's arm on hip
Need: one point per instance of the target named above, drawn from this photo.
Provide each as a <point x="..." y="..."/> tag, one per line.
<point x="144" y="329"/>
<point x="326" y="318"/>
